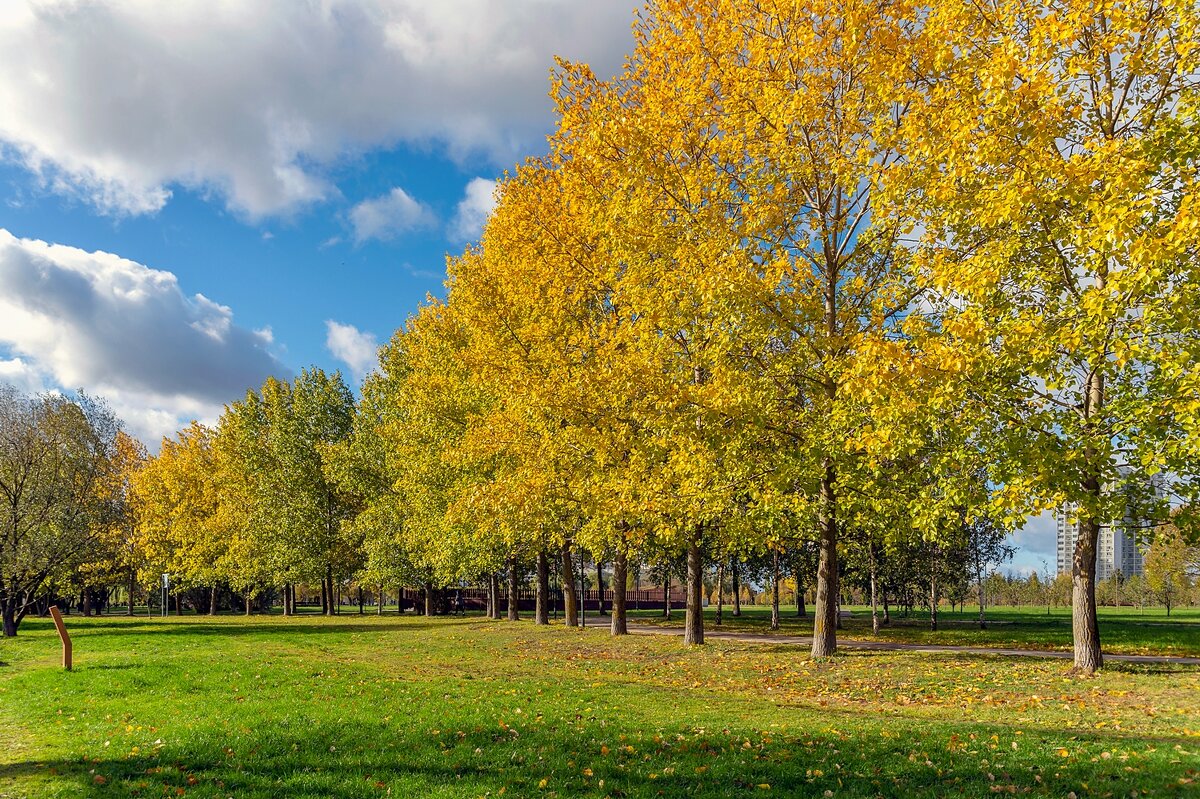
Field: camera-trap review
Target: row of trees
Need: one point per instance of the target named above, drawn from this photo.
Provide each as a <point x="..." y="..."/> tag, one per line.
<point x="850" y="273"/>
<point x="851" y="280"/>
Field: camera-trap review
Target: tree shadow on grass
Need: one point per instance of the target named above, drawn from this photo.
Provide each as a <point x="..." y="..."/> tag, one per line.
<point x="357" y="760"/>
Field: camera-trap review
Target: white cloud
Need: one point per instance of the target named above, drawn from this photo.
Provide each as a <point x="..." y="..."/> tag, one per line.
<point x="386" y="217"/>
<point x="478" y="200"/>
<point x="353" y="347"/>
<point x="1036" y="544"/>
<point x="118" y="101"/>
<point x="123" y="331"/>
<point x="20" y="374"/>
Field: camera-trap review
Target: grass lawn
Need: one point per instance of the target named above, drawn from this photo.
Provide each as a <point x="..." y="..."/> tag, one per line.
<point x="452" y="707"/>
<point x="1122" y="630"/>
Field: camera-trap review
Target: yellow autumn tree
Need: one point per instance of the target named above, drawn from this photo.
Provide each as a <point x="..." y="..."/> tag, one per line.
<point x="1053" y="145"/>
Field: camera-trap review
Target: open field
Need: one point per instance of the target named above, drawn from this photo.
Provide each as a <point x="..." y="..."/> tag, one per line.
<point x="403" y="706"/>
<point x="1122" y="630"/>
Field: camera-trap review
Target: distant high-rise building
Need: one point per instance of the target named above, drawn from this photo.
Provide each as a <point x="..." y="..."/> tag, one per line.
<point x="1117" y="550"/>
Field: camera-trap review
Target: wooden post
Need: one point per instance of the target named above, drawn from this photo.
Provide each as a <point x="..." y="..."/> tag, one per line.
<point x="62" y="634"/>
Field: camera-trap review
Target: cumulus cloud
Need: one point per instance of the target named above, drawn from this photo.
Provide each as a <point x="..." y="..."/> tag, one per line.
<point x="478" y="200"/>
<point x="124" y="331"/>
<point x="356" y="348"/>
<point x="117" y="101"/>
<point x="1037" y="545"/>
<point x="387" y="217"/>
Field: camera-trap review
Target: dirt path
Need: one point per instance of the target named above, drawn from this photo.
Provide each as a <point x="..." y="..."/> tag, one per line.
<point x="806" y="641"/>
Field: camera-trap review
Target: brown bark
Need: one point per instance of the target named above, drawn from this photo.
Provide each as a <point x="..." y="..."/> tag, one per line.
<point x="982" y="597"/>
<point x="600" y="586"/>
<point x="720" y="592"/>
<point x="132" y="587"/>
<point x="379" y="602"/>
<point x="541" y="613"/>
<point x="620" y="584"/>
<point x="494" y="596"/>
<point x="514" y="612"/>
<point x="737" y="590"/>
<point x="570" y="598"/>
<point x="796" y="573"/>
<point x="693" y="625"/>
<point x="667" y="594"/>
<point x="825" y="617"/>
<point x="429" y="611"/>
<point x="874" y="592"/>
<point x="249" y="601"/>
<point x="1084" y="624"/>
<point x="212" y="601"/>
<point x="9" y="614"/>
<point x="775" y="590"/>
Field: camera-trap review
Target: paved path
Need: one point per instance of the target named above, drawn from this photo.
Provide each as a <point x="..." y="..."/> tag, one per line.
<point x="806" y="641"/>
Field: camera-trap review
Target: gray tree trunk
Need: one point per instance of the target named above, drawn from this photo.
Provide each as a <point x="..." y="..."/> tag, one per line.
<point x="514" y="613"/>
<point x="720" y="592"/>
<point x="620" y="584"/>
<point x="775" y="590"/>
<point x="693" y="625"/>
<point x="570" y="598"/>
<point x="825" y="617"/>
<point x="542" y="613"/>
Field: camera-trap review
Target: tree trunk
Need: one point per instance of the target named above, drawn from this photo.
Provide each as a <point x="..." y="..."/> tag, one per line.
<point x="570" y="599"/>
<point x="494" y="596"/>
<point x="933" y="602"/>
<point x="541" y="613"/>
<point x="874" y="592"/>
<point x="796" y="573"/>
<point x="693" y="625"/>
<point x="514" y="612"/>
<point x="360" y="601"/>
<point x="379" y="601"/>
<point x="737" y="589"/>
<point x="212" y="601"/>
<point x="1084" y="624"/>
<point x="667" y="594"/>
<point x="9" y="614"/>
<point x="620" y="583"/>
<point x="775" y="590"/>
<point x="720" y="592"/>
<point x="249" y="601"/>
<point x="982" y="622"/>
<point x="429" y="610"/>
<point x="87" y="602"/>
<point x="600" y="587"/>
<point x="332" y="598"/>
<point x="132" y="588"/>
<point x="825" y="618"/>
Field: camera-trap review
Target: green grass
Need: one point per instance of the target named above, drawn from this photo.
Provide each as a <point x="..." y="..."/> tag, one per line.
<point x="403" y="706"/>
<point x="1122" y="630"/>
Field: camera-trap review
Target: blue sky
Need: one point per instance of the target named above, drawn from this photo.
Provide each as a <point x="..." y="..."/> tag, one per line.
<point x="195" y="195"/>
